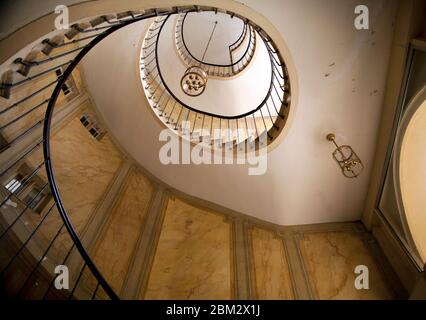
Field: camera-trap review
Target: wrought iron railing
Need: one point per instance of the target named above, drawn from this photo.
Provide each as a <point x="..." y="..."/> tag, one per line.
<point x="236" y="64"/>
<point x="268" y="117"/>
<point x="27" y="130"/>
<point x="30" y="141"/>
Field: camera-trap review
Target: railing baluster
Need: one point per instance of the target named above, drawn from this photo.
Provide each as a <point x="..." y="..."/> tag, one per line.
<point x="147" y="64"/>
<point x="24" y="114"/>
<point x="156" y="88"/>
<point x="273" y="102"/>
<point x="95" y="292"/>
<point x="202" y="127"/>
<point x="275" y="66"/>
<point x="279" y="98"/>
<point x="23" y="184"/>
<point x="150" y="45"/>
<point x="220" y="128"/>
<point x="211" y="129"/>
<point x="21" y="157"/>
<point x="187" y="116"/>
<point x="100" y="28"/>
<point x="278" y="80"/>
<point x="195" y="122"/>
<point x="27" y="240"/>
<point x="152" y="80"/>
<point x="23" y="134"/>
<point x="229" y="131"/>
<point x="272" y="121"/>
<point x="247" y="128"/>
<point x="28" y="97"/>
<point x="177" y="120"/>
<point x="10" y="226"/>
<point x="238" y="134"/>
<point x="74" y="41"/>
<point x="263" y="119"/>
<point x="29" y="78"/>
<point x="156" y="103"/>
<point x="77" y="282"/>
<point x="63" y="263"/>
<point x="40" y="261"/>
<point x="162" y="111"/>
<point x="147" y="55"/>
<point x="255" y="125"/>
<point x="174" y="105"/>
<point x="48" y="59"/>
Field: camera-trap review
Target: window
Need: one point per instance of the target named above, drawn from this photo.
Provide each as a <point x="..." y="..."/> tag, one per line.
<point x="15" y="183"/>
<point x="92" y="126"/>
<point x="84" y="120"/>
<point x="93" y="132"/>
<point x="69" y="86"/>
<point x="29" y="191"/>
<point x="34" y="198"/>
<point x="65" y="89"/>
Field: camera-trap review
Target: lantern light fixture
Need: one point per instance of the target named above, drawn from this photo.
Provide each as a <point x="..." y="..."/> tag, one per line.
<point x="348" y="161"/>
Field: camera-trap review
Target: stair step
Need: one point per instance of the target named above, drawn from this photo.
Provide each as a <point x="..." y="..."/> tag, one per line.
<point x="6" y="79"/>
<point x="50" y="44"/>
<point x="26" y="64"/>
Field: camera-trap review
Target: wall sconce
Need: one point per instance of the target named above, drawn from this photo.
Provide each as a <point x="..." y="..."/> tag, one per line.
<point x="348" y="161"/>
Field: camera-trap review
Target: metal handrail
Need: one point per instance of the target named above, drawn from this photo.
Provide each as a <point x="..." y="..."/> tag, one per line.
<point x="215" y="115"/>
<point x="44" y="142"/>
<point x="47" y="154"/>
<point x="266" y="112"/>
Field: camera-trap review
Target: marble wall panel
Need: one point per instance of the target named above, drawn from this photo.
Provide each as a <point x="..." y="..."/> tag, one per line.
<point x="84" y="168"/>
<point x="193" y="257"/>
<point x="116" y="246"/>
<point x="331" y="258"/>
<point x="270" y="266"/>
<point x="34" y="107"/>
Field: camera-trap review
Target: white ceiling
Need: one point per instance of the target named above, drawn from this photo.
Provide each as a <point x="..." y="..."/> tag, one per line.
<point x="16" y="13"/>
<point x="199" y="26"/>
<point x="341" y="73"/>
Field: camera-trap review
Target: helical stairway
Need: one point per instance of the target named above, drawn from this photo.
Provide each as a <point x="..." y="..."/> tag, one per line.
<point x="267" y="118"/>
<point x="64" y="50"/>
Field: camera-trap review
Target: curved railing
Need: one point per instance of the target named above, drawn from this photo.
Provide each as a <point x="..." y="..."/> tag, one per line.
<point x="230" y="69"/>
<point x="268" y="117"/>
<point x="63" y="51"/>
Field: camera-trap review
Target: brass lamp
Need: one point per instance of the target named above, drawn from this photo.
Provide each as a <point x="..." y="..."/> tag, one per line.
<point x="348" y="161"/>
<point x="194" y="81"/>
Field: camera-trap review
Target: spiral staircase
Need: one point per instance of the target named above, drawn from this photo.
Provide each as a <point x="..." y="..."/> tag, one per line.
<point x="267" y="118"/>
<point x="64" y="50"/>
